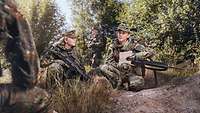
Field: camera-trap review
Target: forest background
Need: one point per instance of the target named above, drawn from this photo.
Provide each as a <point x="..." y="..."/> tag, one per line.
<point x="171" y="27"/>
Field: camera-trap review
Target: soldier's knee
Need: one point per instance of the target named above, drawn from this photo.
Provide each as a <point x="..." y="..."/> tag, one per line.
<point x="107" y="70"/>
<point x="55" y="68"/>
<point x="55" y="73"/>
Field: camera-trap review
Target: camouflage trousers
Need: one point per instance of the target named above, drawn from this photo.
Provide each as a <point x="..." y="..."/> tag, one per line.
<point x="53" y="75"/>
<point x="56" y="74"/>
<point x="120" y="79"/>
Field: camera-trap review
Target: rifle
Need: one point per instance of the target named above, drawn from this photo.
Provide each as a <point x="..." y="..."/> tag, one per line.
<point x="152" y="65"/>
<point x="74" y="65"/>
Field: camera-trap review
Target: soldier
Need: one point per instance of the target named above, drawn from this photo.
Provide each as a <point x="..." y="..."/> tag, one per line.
<point x="116" y="71"/>
<point x="21" y="52"/>
<point x="96" y="45"/>
<point x="61" y="61"/>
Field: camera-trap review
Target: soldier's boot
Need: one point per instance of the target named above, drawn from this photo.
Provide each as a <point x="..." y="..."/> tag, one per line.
<point x="136" y="83"/>
<point x="17" y="100"/>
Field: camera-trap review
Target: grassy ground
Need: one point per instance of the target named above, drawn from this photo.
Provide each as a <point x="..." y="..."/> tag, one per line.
<point x="79" y="97"/>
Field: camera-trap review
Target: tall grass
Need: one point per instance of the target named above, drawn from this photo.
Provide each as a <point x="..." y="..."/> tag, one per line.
<point x="80" y="97"/>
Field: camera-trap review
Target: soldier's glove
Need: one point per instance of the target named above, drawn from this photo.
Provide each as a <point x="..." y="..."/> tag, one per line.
<point x="130" y="58"/>
<point x="149" y="55"/>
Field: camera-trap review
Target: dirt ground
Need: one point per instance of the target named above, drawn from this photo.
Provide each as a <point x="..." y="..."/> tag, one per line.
<point x="174" y="95"/>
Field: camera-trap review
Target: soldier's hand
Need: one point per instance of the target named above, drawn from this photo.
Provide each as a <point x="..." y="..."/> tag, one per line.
<point x="130" y="58"/>
<point x="149" y="55"/>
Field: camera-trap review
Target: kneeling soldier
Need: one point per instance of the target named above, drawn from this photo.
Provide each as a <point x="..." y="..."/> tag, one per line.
<point x="115" y="69"/>
<point x="61" y="61"/>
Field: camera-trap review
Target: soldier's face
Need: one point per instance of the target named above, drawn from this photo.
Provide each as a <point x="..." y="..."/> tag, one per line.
<point x="70" y="42"/>
<point x="122" y="36"/>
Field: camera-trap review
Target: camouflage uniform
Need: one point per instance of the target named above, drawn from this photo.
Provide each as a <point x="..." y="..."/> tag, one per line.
<point x="20" y="51"/>
<point x="57" y="69"/>
<point x="120" y="74"/>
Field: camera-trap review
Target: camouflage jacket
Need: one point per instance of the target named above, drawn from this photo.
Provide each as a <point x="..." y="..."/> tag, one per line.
<point x="114" y="49"/>
<point x="50" y="57"/>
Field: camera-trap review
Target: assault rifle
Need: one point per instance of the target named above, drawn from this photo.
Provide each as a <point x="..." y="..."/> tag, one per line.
<point x="152" y="65"/>
<point x="74" y="65"/>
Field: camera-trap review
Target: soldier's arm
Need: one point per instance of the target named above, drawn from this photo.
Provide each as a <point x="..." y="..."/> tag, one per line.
<point x="112" y="56"/>
<point x="143" y="52"/>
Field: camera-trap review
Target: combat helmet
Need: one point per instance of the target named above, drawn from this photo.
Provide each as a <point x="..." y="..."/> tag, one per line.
<point x="71" y="33"/>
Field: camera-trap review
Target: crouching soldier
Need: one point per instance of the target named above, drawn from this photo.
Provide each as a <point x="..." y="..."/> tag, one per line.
<point x="61" y="61"/>
<point x="117" y="68"/>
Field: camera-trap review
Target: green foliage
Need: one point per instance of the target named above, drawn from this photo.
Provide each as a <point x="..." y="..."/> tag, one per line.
<point x="48" y="26"/>
<point x="88" y="13"/>
<point x="26" y="7"/>
<point x="91" y="12"/>
<point x="45" y="18"/>
<point x="173" y="25"/>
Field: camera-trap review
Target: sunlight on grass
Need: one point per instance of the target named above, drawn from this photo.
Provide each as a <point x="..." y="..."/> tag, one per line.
<point x="80" y="97"/>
